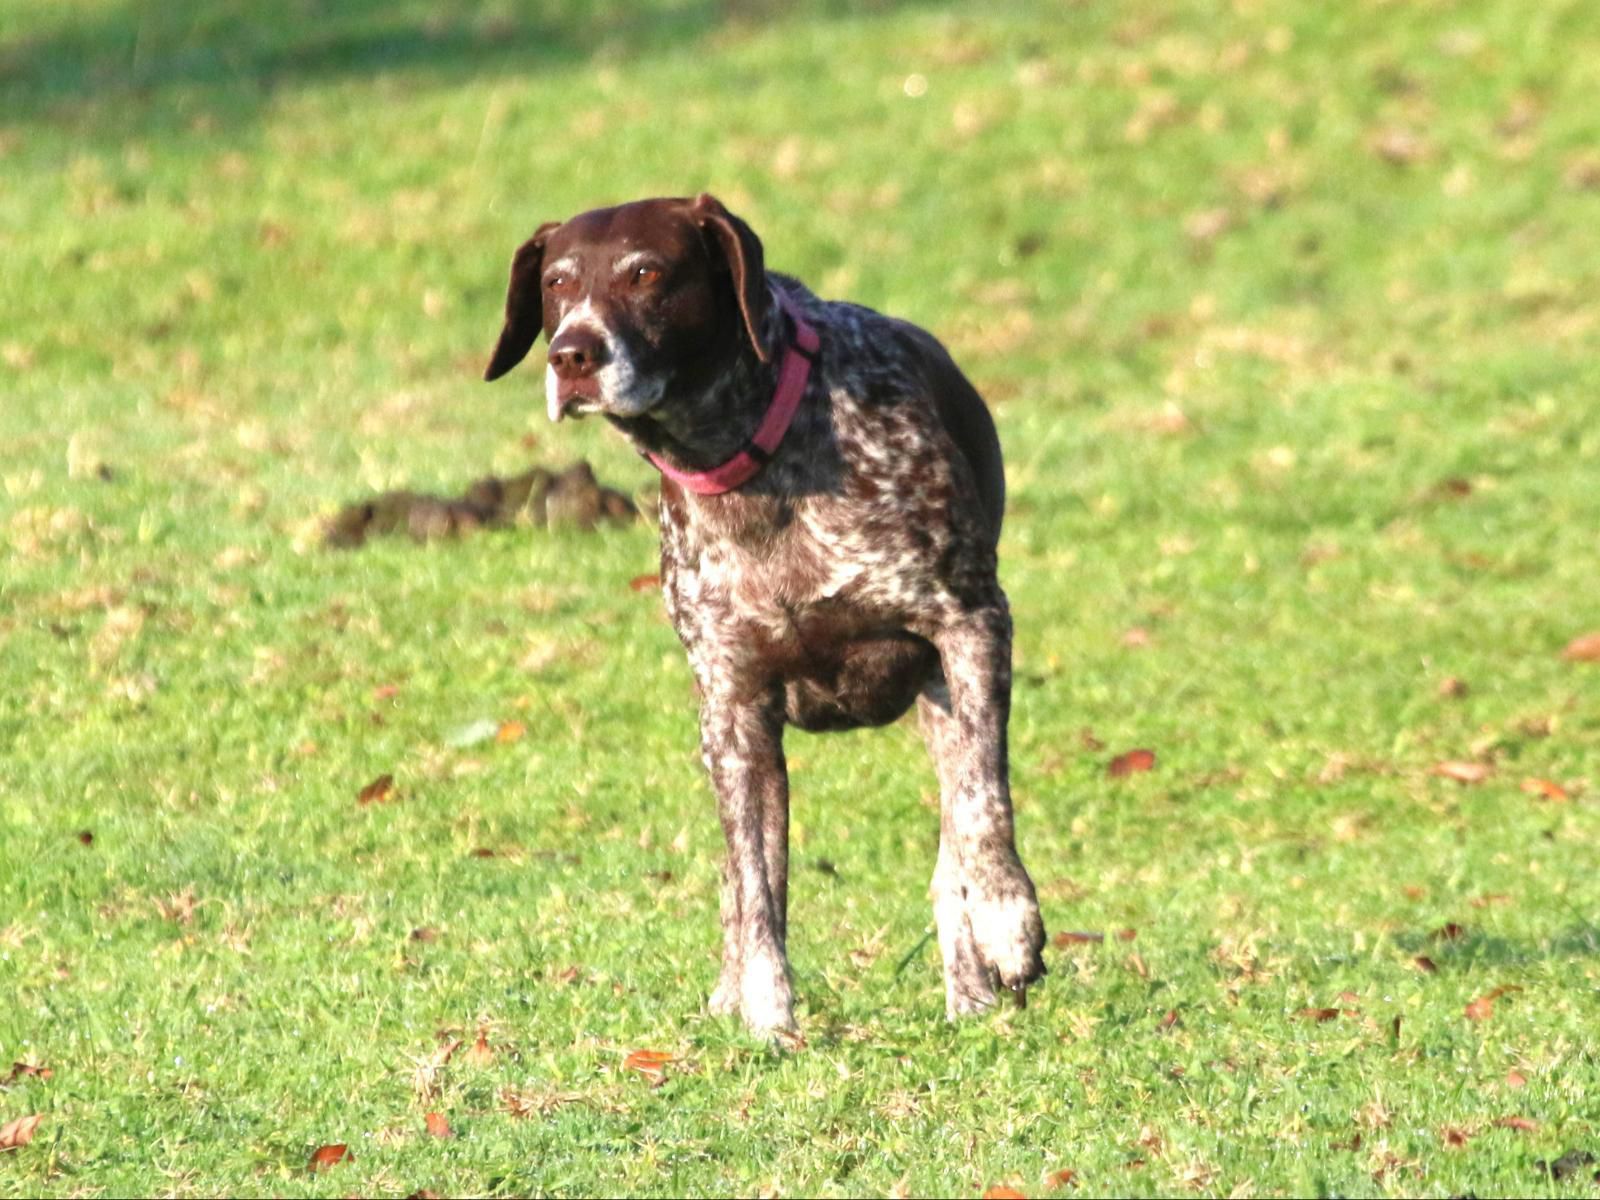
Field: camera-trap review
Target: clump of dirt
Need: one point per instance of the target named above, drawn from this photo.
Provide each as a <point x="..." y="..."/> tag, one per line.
<point x="569" y="499"/>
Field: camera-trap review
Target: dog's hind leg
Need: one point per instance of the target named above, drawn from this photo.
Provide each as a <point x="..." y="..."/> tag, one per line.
<point x="978" y="859"/>
<point x="742" y="745"/>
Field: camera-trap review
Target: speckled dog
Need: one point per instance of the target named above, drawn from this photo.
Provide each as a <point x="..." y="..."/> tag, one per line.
<point x="830" y="504"/>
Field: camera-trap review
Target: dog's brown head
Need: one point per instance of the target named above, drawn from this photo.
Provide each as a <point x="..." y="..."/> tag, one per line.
<point x="636" y="301"/>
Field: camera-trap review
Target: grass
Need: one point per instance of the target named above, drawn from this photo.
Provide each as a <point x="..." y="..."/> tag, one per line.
<point x="1286" y="313"/>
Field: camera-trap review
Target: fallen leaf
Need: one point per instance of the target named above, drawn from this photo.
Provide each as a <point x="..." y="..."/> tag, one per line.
<point x="1516" y="1079"/>
<point x="86" y="837"/>
<point x="483" y="852"/>
<point x="652" y="1064"/>
<point x="1135" y="963"/>
<point x="1131" y="763"/>
<point x="644" y="583"/>
<point x="1072" y="937"/>
<point x="1544" y="787"/>
<point x="22" y="1070"/>
<point x="480" y="1053"/>
<point x="387" y="691"/>
<point x="377" y="791"/>
<point x="1482" y="1008"/>
<point x="1448" y="932"/>
<point x="437" y="1126"/>
<point x="1452" y="688"/>
<point x="1426" y="965"/>
<point x="425" y="933"/>
<point x="1318" y="1014"/>
<point x="1127" y="935"/>
<point x="1455" y="1138"/>
<point x="1169" y="1020"/>
<point x="326" y="1156"/>
<point x="1583" y="649"/>
<point x="1060" y="1178"/>
<point x="1464" y="772"/>
<point x="510" y="731"/>
<point x="1520" y="1124"/>
<point x="18" y="1133"/>
<point x="1000" y="1191"/>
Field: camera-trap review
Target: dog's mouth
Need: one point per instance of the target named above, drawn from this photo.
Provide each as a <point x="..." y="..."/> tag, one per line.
<point x="574" y="398"/>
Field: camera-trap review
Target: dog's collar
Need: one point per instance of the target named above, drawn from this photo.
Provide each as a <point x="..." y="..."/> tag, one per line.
<point x="763" y="444"/>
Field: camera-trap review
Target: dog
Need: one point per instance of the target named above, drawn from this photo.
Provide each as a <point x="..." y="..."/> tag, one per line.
<point x="831" y="500"/>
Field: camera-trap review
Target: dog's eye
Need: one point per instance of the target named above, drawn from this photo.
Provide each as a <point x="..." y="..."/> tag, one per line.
<point x="645" y="276"/>
<point x="558" y="283"/>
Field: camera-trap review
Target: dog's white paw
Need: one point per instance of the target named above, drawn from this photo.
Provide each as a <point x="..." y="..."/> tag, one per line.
<point x="1009" y="931"/>
<point x="766" y="1001"/>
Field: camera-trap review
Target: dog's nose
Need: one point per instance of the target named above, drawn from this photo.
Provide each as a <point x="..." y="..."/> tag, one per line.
<point x="577" y="353"/>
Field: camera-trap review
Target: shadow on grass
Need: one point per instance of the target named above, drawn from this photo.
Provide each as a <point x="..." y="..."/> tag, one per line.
<point x="225" y="58"/>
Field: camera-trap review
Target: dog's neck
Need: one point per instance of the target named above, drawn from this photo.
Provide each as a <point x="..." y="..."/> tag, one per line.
<point x="698" y="428"/>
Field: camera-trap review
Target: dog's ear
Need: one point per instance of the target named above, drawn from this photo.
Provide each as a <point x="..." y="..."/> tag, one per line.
<point x="524" y="304"/>
<point x="741" y="250"/>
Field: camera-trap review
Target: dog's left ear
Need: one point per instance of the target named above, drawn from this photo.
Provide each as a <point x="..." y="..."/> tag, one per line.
<point x="524" y="304"/>
<point x="741" y="250"/>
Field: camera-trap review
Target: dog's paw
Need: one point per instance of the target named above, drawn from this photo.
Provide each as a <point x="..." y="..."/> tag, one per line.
<point x="766" y="1001"/>
<point x="1009" y="931"/>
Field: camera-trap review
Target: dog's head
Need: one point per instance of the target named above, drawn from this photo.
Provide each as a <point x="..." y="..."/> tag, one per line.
<point x="636" y="301"/>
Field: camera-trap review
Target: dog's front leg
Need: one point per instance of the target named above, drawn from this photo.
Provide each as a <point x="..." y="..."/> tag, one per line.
<point x="978" y="855"/>
<point x="741" y="742"/>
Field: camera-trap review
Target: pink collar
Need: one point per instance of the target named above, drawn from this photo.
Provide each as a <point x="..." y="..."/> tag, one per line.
<point x="796" y="369"/>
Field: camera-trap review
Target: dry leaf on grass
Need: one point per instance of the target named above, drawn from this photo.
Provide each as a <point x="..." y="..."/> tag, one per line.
<point x="22" y="1070"/>
<point x="644" y="583"/>
<point x="1520" y="1124"/>
<point x="1072" y="937"/>
<point x="1482" y="1008"/>
<point x="376" y="792"/>
<point x="652" y="1064"/>
<point x="437" y="1125"/>
<point x="1001" y="1191"/>
<point x="327" y="1156"/>
<point x="1583" y="649"/>
<point x="1426" y="965"/>
<point x="1464" y="772"/>
<point x="480" y="1053"/>
<point x="1546" y="788"/>
<point x="18" y="1133"/>
<point x="1131" y="763"/>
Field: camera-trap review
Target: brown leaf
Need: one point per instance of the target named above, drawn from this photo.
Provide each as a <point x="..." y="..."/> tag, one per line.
<point x="22" y="1070"/>
<point x="1516" y="1079"/>
<point x="1318" y="1014"/>
<point x="1583" y="649"/>
<point x="644" y="583"/>
<point x="1520" y="1124"/>
<point x="510" y="731"/>
<point x="1131" y="763"/>
<point x="387" y="691"/>
<point x="1168" y="1021"/>
<point x="1073" y="937"/>
<point x="1464" y="772"/>
<point x="326" y="1156"/>
<point x="1063" y="1177"/>
<point x="437" y="1126"/>
<point x="425" y="933"/>
<point x="1448" y="932"/>
<point x="1426" y="965"/>
<point x="18" y="1133"/>
<point x="1455" y="1138"/>
<point x="377" y="791"/>
<point x="480" y="1053"/>
<point x="1000" y="1191"/>
<point x="1452" y="688"/>
<point x="86" y="836"/>
<point x="652" y="1064"/>
<point x="483" y="852"/>
<point x="1127" y="935"/>
<point x="1135" y="963"/>
<point x="1482" y="1008"/>
<point x="1544" y="787"/>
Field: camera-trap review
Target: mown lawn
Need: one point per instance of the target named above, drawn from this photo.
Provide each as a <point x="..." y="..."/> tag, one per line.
<point x="1290" y="317"/>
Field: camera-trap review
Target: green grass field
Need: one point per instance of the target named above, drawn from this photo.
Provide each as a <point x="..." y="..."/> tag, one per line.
<point x="1290" y="318"/>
